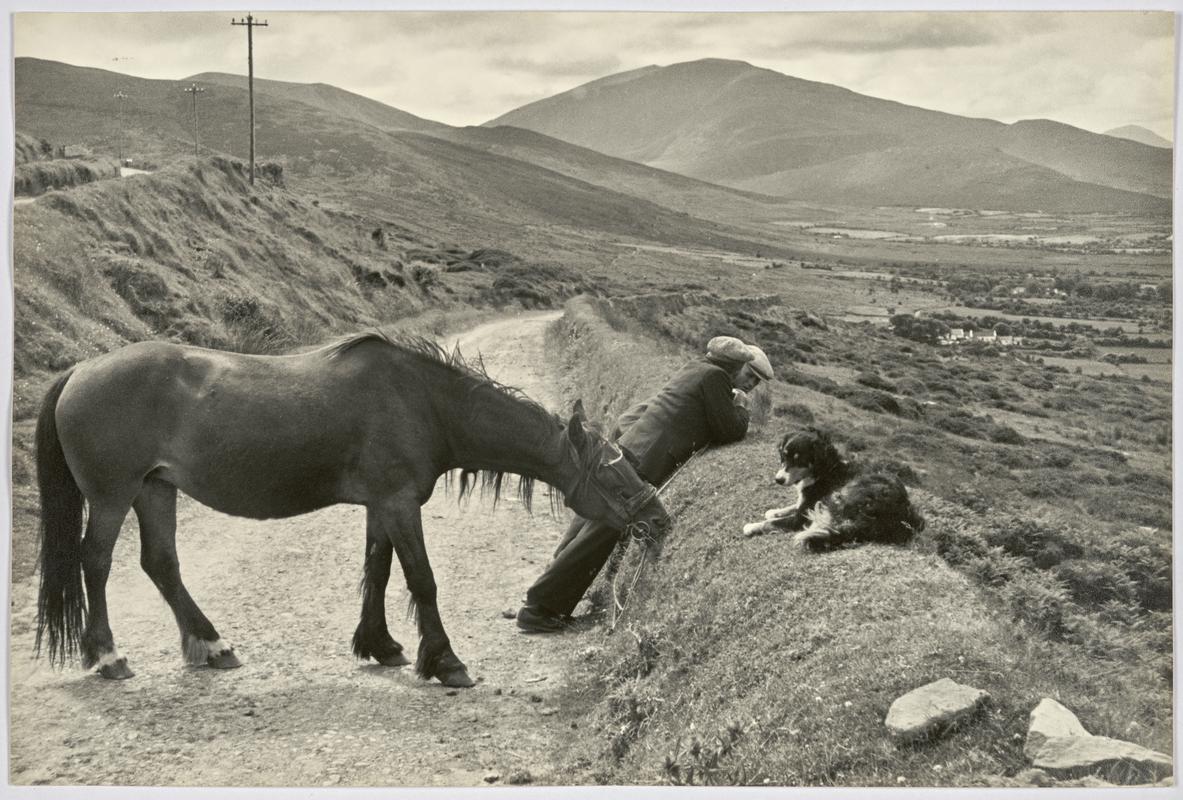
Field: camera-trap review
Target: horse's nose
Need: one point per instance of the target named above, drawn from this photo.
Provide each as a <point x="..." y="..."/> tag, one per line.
<point x="658" y="516"/>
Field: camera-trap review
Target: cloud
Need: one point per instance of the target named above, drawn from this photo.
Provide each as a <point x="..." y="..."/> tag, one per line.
<point x="598" y="65"/>
<point x="1093" y="69"/>
<point x="922" y="32"/>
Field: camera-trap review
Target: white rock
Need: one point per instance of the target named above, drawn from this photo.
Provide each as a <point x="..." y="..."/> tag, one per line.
<point x="1049" y="720"/>
<point x="1124" y="762"/>
<point x="930" y="708"/>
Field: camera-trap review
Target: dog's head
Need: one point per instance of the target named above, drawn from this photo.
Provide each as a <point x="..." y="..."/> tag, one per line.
<point x="805" y="454"/>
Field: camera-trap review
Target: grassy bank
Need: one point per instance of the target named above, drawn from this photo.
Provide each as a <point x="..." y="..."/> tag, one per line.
<point x="744" y="661"/>
<point x="38" y="177"/>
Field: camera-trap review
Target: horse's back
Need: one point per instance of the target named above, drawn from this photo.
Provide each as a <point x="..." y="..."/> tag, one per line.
<point x="258" y="436"/>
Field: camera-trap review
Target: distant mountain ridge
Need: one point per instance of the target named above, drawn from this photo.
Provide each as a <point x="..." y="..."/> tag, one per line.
<point x="1136" y="133"/>
<point x="751" y="128"/>
<point x="329" y="98"/>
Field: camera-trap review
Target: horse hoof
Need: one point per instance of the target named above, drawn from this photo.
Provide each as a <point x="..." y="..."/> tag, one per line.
<point x="224" y="660"/>
<point x="457" y="677"/>
<point x="117" y="670"/>
<point x="393" y="660"/>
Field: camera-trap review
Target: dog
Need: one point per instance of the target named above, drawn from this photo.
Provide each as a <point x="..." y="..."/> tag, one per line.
<point x="838" y="501"/>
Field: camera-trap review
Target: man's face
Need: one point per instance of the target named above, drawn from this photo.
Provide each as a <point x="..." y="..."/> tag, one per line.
<point x="746" y="380"/>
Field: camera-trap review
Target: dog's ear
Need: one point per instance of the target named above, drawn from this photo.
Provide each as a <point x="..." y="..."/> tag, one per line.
<point x="824" y="454"/>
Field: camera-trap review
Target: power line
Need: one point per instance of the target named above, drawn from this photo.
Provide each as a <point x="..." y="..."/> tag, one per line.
<point x="251" y="23"/>
<point x="194" y="90"/>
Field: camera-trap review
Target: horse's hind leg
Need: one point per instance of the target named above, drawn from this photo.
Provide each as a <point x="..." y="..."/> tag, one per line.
<point x="156" y="508"/>
<point x="98" y="645"/>
<point x="399" y="519"/>
<point x="372" y="638"/>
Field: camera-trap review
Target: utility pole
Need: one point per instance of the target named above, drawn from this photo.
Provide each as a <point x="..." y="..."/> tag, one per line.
<point x="119" y="96"/>
<point x="251" y="23"/>
<point x="194" y="89"/>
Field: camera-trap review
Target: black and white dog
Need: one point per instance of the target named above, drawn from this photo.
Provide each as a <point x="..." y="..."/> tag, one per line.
<point x="837" y="501"/>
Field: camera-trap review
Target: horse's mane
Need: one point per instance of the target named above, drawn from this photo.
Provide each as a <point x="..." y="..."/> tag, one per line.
<point x="431" y="351"/>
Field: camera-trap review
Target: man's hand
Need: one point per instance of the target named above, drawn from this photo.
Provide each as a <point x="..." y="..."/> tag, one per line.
<point x="741" y="399"/>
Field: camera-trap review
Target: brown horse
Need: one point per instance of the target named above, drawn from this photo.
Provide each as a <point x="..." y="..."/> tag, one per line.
<point x="369" y="420"/>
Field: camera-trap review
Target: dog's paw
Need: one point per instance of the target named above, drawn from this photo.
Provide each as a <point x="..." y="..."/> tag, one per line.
<point x="753" y="529"/>
<point x="778" y="513"/>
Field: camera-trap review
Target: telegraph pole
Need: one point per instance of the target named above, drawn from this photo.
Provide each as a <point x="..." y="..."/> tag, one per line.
<point x="119" y="96"/>
<point x="194" y="89"/>
<point x="251" y="23"/>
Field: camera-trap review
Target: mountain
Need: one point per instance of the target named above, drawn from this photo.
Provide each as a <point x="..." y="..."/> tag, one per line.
<point x="452" y="188"/>
<point x="731" y="123"/>
<point x="661" y="186"/>
<point x="1136" y="133"/>
<point x="328" y="98"/>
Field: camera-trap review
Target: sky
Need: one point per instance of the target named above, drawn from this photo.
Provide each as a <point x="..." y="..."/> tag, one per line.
<point x="1096" y="70"/>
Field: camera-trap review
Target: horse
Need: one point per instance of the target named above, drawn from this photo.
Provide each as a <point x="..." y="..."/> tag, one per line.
<point x="371" y="420"/>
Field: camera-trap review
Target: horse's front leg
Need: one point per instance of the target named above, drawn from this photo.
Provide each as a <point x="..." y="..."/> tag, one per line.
<point x="399" y="518"/>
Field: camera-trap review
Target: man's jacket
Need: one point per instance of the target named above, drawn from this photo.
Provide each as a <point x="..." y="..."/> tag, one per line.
<point x="694" y="409"/>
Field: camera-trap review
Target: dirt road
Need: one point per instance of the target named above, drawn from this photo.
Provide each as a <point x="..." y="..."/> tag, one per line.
<point x="302" y="711"/>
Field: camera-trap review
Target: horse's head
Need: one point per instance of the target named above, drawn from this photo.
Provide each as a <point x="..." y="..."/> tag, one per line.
<point x="609" y="488"/>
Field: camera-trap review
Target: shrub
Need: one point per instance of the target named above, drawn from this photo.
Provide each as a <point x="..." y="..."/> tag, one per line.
<point x="1003" y="434"/>
<point x="1044" y="545"/>
<point x="1039" y="601"/>
<point x="1095" y="583"/>
<point x="798" y="411"/>
<point x="875" y="381"/>
<point x="869" y="399"/>
<point x="1058" y="459"/>
<point x="961" y="423"/>
<point x="911" y="386"/>
<point x="1146" y="563"/>
<point x="954" y="543"/>
<point x="424" y="275"/>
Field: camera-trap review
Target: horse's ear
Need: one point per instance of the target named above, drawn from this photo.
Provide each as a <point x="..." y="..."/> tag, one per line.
<point x="575" y="431"/>
<point x="578" y="411"/>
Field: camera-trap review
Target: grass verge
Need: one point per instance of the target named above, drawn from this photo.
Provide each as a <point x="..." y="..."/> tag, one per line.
<point x="746" y="662"/>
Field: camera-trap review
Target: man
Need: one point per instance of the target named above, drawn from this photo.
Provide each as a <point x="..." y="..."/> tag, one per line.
<point x="705" y="403"/>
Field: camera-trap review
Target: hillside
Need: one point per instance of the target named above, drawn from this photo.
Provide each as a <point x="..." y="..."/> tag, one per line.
<point x="747" y="661"/>
<point x="340" y="102"/>
<point x="195" y="254"/>
<point x="731" y="123"/>
<point x="1136" y="133"/>
<point x="668" y="189"/>
<point x="446" y="187"/>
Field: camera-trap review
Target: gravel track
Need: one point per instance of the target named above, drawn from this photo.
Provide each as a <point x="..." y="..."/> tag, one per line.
<point x="302" y="711"/>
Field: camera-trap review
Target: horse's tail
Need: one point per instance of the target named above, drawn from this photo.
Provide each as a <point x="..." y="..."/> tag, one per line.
<point x="61" y="604"/>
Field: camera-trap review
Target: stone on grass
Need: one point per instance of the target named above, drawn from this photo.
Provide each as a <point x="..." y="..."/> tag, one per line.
<point x="933" y="708"/>
<point x="1050" y="720"/>
<point x="492" y="777"/>
<point x="1118" y="761"/>
<point x="1034" y="777"/>
<point x="1059" y="744"/>
<point x="520" y="777"/>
